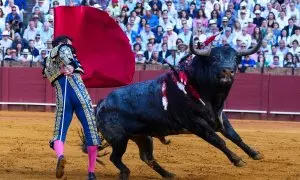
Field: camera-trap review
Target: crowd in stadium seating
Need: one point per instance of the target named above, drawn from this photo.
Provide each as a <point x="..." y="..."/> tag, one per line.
<point x="160" y="30"/>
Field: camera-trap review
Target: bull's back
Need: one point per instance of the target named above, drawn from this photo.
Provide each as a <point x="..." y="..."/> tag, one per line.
<point x="141" y="100"/>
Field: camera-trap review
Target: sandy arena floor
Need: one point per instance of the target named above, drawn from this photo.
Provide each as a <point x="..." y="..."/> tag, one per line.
<point x="25" y="154"/>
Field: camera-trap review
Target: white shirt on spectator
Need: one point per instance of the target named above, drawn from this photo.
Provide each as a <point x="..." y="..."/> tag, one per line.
<point x="2" y="23"/>
<point x="7" y="9"/>
<point x="266" y="13"/>
<point x="173" y="60"/>
<point x="189" y="23"/>
<point x="287" y="39"/>
<point x="296" y="51"/>
<point x="185" y="37"/>
<point x="294" y="37"/>
<point x="282" y="22"/>
<point x="46" y="35"/>
<point x="145" y="35"/>
<point x="131" y="5"/>
<point x="6" y="44"/>
<point x="163" y="24"/>
<point x="171" y="39"/>
<point x="29" y="34"/>
<point x="39" y="45"/>
<point x="293" y="13"/>
<point x="263" y="3"/>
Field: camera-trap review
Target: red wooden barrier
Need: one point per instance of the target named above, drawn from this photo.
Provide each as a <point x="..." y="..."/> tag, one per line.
<point x="266" y="94"/>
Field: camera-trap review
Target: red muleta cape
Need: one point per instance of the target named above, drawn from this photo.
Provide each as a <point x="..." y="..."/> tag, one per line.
<point x="101" y="46"/>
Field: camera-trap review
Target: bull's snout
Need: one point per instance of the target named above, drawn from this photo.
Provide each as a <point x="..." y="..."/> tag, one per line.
<point x="226" y="76"/>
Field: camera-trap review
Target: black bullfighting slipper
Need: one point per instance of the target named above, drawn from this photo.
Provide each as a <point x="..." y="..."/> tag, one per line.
<point x="61" y="162"/>
<point x="91" y="176"/>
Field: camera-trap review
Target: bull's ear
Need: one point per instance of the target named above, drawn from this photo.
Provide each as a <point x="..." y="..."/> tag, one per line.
<point x="251" y="50"/>
<point x="198" y="52"/>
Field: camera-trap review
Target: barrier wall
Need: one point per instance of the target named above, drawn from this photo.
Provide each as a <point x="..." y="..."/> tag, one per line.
<point x="254" y="96"/>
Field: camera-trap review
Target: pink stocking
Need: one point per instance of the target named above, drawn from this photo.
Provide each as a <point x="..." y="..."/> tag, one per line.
<point x="59" y="148"/>
<point x="92" y="153"/>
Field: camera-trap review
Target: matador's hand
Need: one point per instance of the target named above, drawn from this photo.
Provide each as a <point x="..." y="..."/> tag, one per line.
<point x="68" y="70"/>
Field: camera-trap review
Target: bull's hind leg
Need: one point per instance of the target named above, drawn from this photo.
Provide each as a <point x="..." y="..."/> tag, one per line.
<point x="118" y="150"/>
<point x="231" y="134"/>
<point x="145" y="144"/>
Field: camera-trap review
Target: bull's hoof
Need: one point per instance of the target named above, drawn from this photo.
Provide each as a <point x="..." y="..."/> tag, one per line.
<point x="258" y="156"/>
<point x="167" y="142"/>
<point x="239" y="163"/>
<point x="124" y="175"/>
<point x="169" y="175"/>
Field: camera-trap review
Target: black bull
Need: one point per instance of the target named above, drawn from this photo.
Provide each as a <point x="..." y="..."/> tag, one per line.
<point x="137" y="112"/>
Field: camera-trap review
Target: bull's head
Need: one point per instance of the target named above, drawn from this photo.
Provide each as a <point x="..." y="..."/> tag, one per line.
<point x="223" y="60"/>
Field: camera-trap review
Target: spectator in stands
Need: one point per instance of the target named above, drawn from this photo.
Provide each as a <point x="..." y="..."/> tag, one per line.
<point x="19" y="39"/>
<point x="139" y="57"/>
<point x="38" y="14"/>
<point x="38" y="44"/>
<point x="295" y="49"/>
<point x="261" y="61"/>
<point x="275" y="63"/>
<point x="216" y="17"/>
<point x="26" y="56"/>
<point x="243" y="19"/>
<point x="19" y="49"/>
<point x="289" y="61"/>
<point x="12" y="55"/>
<point x="170" y="7"/>
<point x="182" y="50"/>
<point x="292" y="11"/>
<point x="40" y="58"/>
<point x="146" y="33"/>
<point x="164" y="53"/>
<point x="142" y="25"/>
<point x="258" y="19"/>
<point x="228" y="36"/>
<point x="8" y="7"/>
<point x="130" y="34"/>
<point x="290" y="29"/>
<point x="5" y="42"/>
<point x="152" y="19"/>
<point x="184" y="17"/>
<point x="114" y="8"/>
<point x="33" y="50"/>
<point x="37" y="23"/>
<point x="282" y="20"/>
<point x="246" y="62"/>
<point x="51" y="22"/>
<point x="282" y="47"/>
<point x="271" y="19"/>
<point x="159" y="34"/>
<point x="185" y="35"/>
<point x="46" y="17"/>
<point x="148" y="52"/>
<point x="132" y="3"/>
<point x="155" y="59"/>
<point x="30" y="32"/>
<point x="172" y="36"/>
<point x="43" y="6"/>
<point x="46" y="32"/>
<point x="173" y="59"/>
<point x="183" y="5"/>
<point x="13" y="15"/>
<point x="200" y="19"/>
<point x="2" y="20"/>
<point x="137" y="47"/>
<point x="237" y="30"/>
<point x="192" y="12"/>
<point x="295" y="36"/>
<point x="22" y="4"/>
<point x="139" y="40"/>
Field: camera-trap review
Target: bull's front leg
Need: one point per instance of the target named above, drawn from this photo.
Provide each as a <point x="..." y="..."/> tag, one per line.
<point x="231" y="134"/>
<point x="201" y="128"/>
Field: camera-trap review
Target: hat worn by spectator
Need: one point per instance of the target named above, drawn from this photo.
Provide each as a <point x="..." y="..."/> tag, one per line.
<point x="5" y="33"/>
<point x="151" y="37"/>
<point x="243" y="4"/>
<point x="224" y="19"/>
<point x="50" y="18"/>
<point x="228" y="29"/>
<point x="257" y="11"/>
<point x="212" y="21"/>
<point x="182" y="45"/>
<point x="98" y="6"/>
<point x="140" y="53"/>
<point x="114" y="1"/>
<point x="243" y="11"/>
<point x="169" y="27"/>
<point x="173" y="48"/>
<point x="25" y="52"/>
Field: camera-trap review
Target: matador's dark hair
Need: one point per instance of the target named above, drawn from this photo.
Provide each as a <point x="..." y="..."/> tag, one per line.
<point x="60" y="39"/>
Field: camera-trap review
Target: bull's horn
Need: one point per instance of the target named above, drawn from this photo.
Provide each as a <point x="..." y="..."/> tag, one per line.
<point x="199" y="52"/>
<point x="252" y="50"/>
